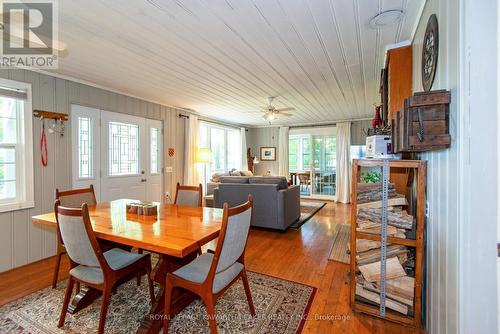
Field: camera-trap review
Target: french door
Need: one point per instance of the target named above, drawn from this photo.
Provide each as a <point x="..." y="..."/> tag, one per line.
<point x="119" y="154"/>
<point x="312" y="161"/>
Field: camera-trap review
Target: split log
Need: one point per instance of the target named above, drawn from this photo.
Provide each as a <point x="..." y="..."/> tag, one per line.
<point x="372" y="192"/>
<point x="373" y="255"/>
<point x="402" y="286"/>
<point x="399" y="219"/>
<point x="396" y="201"/>
<point x="371" y="287"/>
<point x="391" y="230"/>
<point x="375" y="297"/>
<point x="363" y="245"/>
<point x="371" y="271"/>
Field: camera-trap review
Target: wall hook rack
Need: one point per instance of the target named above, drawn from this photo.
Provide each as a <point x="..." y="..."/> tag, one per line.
<point x="55" y="116"/>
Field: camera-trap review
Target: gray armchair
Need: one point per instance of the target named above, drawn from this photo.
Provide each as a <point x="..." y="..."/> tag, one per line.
<point x="275" y="205"/>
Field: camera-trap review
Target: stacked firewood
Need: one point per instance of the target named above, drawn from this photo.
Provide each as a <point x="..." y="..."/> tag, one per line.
<point x="400" y="259"/>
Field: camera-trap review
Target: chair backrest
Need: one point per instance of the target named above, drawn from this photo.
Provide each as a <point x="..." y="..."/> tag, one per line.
<point x="76" y="197"/>
<point x="77" y="234"/>
<point x="234" y="235"/>
<point x="188" y="195"/>
<point x="303" y="177"/>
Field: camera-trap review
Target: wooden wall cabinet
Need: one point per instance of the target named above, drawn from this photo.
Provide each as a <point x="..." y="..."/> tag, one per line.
<point x="396" y="80"/>
<point x="405" y="241"/>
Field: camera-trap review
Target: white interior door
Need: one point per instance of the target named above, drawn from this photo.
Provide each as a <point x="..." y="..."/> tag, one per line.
<point x="123" y="156"/>
<point x="154" y="170"/>
<point x="85" y="137"/>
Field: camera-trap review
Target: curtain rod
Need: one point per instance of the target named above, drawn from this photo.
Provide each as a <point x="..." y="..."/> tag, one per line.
<point x="319" y="125"/>
<point x="213" y="122"/>
<point x="311" y="125"/>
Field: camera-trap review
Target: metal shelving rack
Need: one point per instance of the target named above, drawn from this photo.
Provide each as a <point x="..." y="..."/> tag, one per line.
<point x="419" y="170"/>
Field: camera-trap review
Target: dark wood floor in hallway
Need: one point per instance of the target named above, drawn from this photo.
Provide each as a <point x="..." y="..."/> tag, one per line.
<point x="298" y="255"/>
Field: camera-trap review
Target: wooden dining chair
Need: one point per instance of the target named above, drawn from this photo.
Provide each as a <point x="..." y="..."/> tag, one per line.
<point x="212" y="273"/>
<point x="70" y="199"/>
<point x="89" y="265"/>
<point x="188" y="195"/>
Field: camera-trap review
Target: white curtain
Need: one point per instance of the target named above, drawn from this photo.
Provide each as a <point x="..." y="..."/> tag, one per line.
<point x="283" y="151"/>
<point x="192" y="175"/>
<point x="244" y="164"/>
<point x="343" y="189"/>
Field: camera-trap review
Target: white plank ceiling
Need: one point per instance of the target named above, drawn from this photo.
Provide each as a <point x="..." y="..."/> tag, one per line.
<point x="223" y="58"/>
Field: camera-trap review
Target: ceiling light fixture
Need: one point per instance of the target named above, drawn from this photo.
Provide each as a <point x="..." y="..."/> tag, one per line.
<point x="386" y="18"/>
<point x="269" y="116"/>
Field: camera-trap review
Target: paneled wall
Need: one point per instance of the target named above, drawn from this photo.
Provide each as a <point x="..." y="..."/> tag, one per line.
<point x="442" y="178"/>
<point x="262" y="137"/>
<point x="358" y="128"/>
<point x="22" y="241"/>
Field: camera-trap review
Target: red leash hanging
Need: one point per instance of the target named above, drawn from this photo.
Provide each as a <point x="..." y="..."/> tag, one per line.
<point x="43" y="146"/>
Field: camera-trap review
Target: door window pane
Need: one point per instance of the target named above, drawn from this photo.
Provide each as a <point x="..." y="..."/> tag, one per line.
<point x="293" y="151"/>
<point x="306" y="153"/>
<point x="85" y="148"/>
<point x="330" y="153"/>
<point x="123" y="149"/>
<point x="155" y="151"/>
<point x="317" y="143"/>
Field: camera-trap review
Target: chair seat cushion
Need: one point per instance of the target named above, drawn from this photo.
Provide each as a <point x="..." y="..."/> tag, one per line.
<point x="117" y="259"/>
<point x="197" y="271"/>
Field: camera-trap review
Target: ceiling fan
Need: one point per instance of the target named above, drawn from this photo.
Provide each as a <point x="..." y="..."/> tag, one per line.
<point x="271" y="113"/>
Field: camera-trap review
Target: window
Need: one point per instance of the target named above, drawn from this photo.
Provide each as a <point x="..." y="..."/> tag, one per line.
<point x="123" y="149"/>
<point x="85" y="148"/>
<point x="155" y="151"/>
<point x="293" y="152"/>
<point x="299" y="153"/>
<point x="319" y="148"/>
<point x="225" y="144"/>
<point x="16" y="146"/>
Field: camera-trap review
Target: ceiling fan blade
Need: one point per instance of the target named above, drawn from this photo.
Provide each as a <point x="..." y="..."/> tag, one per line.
<point x="285" y="109"/>
<point x="284" y="114"/>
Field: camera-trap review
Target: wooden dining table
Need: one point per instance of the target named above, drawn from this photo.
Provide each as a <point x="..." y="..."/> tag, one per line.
<point x="176" y="233"/>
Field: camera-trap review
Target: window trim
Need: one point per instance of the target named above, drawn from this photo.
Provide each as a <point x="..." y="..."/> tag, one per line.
<point x="25" y="189"/>
<point x="226" y="129"/>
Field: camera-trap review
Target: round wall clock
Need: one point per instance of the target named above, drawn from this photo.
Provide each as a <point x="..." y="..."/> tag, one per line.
<point x="430" y="50"/>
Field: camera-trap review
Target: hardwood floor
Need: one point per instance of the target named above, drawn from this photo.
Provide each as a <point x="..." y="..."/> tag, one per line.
<point x="297" y="255"/>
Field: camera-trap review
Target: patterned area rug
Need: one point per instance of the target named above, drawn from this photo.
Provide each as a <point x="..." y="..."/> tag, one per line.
<point x="281" y="307"/>
<point x="341" y="239"/>
<point x="307" y="210"/>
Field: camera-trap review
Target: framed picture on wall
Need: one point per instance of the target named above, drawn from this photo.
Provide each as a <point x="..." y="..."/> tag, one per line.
<point x="268" y="153"/>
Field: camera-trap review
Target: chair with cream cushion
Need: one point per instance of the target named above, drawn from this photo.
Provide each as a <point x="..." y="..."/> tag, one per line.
<point x="70" y="199"/>
<point x="188" y="195"/>
<point x="89" y="264"/>
<point x="212" y="273"/>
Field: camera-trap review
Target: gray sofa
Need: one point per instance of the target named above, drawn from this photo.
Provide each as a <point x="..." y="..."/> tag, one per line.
<point x="276" y="205"/>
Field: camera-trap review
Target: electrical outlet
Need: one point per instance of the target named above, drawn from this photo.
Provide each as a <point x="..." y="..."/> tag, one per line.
<point x="427" y="209"/>
<point x="168" y="199"/>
